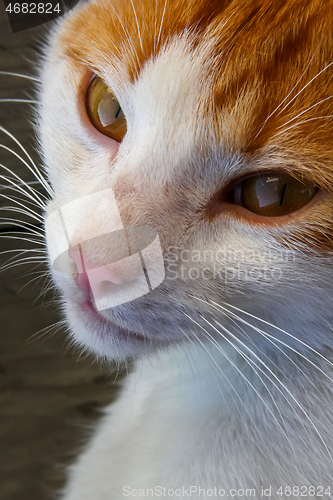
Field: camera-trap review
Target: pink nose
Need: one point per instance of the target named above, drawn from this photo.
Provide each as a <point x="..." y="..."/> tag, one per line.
<point x="99" y="277"/>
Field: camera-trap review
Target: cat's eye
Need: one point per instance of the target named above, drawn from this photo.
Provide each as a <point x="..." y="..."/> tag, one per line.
<point x="272" y="195"/>
<point x="104" y="110"/>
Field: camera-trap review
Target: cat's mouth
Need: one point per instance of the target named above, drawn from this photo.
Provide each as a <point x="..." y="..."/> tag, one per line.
<point x="88" y="308"/>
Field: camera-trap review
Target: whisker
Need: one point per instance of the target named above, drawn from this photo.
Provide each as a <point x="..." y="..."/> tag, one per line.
<point x="234" y="318"/>
<point x="269" y="378"/>
<point x="27" y="210"/>
<point x="27" y="165"/>
<point x="13" y="259"/>
<point x="16" y="187"/>
<point x="22" y="262"/>
<point x="255" y="367"/>
<point x="281" y="103"/>
<point x="21" y="250"/>
<point x="24" y="183"/>
<point x="155" y="25"/>
<point x="291" y="100"/>
<point x="269" y="336"/>
<point x="279" y="381"/>
<point x="218" y="346"/>
<point x="46" y="330"/>
<point x="162" y="20"/>
<point x="301" y="122"/>
<point x="129" y="39"/>
<point x="28" y="228"/>
<point x="305" y="86"/>
<point x="137" y="24"/>
<point x="274" y="326"/>
<point x="221" y="372"/>
<point x="36" y="172"/>
<point x="28" y="101"/>
<point x="20" y="75"/>
<point x="24" y="210"/>
<point x="39" y="277"/>
<point x="306" y="110"/>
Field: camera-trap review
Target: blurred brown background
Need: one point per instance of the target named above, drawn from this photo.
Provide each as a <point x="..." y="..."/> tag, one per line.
<point x="48" y="396"/>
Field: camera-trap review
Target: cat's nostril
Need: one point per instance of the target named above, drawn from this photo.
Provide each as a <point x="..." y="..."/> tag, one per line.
<point x="90" y="278"/>
<point x="100" y="277"/>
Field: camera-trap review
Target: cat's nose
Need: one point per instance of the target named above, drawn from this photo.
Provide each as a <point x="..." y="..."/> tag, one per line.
<point x="96" y="279"/>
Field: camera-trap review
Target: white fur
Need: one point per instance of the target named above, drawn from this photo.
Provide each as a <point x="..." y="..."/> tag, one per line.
<point x="195" y="412"/>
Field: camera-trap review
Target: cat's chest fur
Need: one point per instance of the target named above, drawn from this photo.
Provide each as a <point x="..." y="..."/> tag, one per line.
<point x="210" y="124"/>
<point x="179" y="430"/>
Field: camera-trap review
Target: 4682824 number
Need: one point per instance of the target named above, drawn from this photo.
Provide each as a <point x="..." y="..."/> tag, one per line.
<point x="33" y="8"/>
<point x="304" y="491"/>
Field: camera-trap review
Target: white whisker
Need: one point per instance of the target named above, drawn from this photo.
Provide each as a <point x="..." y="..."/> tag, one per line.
<point x="137" y="24"/>
<point x="20" y="75"/>
<point x="24" y="210"/>
<point x="212" y="340"/>
<point x="279" y="381"/>
<point x="234" y="318"/>
<point x="274" y="326"/>
<point x="281" y="103"/>
<point x="305" y="86"/>
<point x="35" y="171"/>
<point x="155" y="25"/>
<point x="305" y="111"/>
<point x="39" y="277"/>
<point x="223" y="374"/>
<point x="301" y="122"/>
<point x="269" y="337"/>
<point x="46" y="330"/>
<point x="291" y="100"/>
<point x="162" y="20"/>
<point x="29" y="229"/>
<point x="27" y="101"/>
<point x="16" y="187"/>
<point x="27" y="165"/>
<point x="129" y="39"/>
<point x="21" y="262"/>
<point x="255" y="367"/>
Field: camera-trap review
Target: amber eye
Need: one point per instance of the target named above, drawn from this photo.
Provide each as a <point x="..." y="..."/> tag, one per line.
<point x="104" y="110"/>
<point x="273" y="194"/>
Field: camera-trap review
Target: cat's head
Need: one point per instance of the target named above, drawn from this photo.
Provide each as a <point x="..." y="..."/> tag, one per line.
<point x="211" y="124"/>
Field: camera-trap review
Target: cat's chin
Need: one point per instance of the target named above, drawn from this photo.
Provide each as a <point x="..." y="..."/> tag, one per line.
<point x="94" y="331"/>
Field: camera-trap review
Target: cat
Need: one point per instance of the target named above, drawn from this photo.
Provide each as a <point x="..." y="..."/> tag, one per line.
<point x="189" y="146"/>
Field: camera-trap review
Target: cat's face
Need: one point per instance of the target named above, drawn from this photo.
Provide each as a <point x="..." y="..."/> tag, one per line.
<point x="220" y="110"/>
